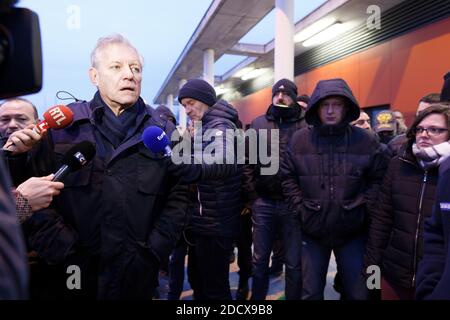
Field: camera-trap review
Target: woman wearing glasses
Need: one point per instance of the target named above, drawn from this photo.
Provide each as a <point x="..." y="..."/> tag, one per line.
<point x="406" y="199"/>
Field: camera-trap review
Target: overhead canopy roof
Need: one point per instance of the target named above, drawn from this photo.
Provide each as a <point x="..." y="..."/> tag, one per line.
<point x="227" y="21"/>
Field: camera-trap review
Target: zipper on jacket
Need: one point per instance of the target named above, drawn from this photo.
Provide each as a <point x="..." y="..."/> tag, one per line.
<point x="199" y="202"/>
<point x="422" y="193"/>
<point x="330" y="172"/>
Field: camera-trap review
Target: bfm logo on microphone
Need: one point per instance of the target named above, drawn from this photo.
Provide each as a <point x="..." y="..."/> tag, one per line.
<point x="57" y="115"/>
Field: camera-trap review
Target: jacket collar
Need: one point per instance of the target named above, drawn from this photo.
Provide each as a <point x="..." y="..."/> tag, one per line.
<point x="89" y="110"/>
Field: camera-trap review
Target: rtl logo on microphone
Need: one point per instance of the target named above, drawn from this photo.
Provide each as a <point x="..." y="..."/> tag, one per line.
<point x="57" y="115"/>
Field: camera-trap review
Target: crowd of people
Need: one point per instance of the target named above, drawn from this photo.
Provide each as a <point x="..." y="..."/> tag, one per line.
<point x="373" y="193"/>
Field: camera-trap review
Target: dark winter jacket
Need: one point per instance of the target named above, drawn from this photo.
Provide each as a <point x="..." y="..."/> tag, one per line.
<point x="269" y="186"/>
<point x="219" y="200"/>
<point x="396" y="231"/>
<point x="331" y="173"/>
<point x="398" y="144"/>
<point x="13" y="263"/>
<point x="433" y="275"/>
<point x="116" y="217"/>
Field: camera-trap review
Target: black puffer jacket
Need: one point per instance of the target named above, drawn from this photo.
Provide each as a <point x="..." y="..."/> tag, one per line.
<point x="219" y="201"/>
<point x="332" y="172"/>
<point x="269" y="186"/>
<point x="396" y="230"/>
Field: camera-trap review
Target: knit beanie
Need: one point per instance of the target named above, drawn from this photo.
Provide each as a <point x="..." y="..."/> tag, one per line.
<point x="287" y="86"/>
<point x="199" y="90"/>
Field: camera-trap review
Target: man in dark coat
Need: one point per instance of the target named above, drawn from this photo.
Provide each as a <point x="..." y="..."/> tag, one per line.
<point x="214" y="223"/>
<point x="122" y="214"/>
<point x="331" y="172"/>
<point x="13" y="263"/>
<point x="270" y="214"/>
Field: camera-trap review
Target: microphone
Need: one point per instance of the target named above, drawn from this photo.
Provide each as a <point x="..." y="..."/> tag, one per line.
<point x="57" y="117"/>
<point x="156" y="140"/>
<point x="77" y="157"/>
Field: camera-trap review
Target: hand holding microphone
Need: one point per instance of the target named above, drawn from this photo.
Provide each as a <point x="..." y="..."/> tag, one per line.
<point x="77" y="157"/>
<point x="156" y="140"/>
<point x="20" y="141"/>
<point x="39" y="192"/>
<point x="57" y="117"/>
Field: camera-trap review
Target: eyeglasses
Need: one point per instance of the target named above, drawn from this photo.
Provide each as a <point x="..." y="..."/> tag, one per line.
<point x="432" y="131"/>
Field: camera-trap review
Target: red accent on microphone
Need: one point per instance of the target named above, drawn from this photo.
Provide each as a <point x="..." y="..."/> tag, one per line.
<point x="57" y="117"/>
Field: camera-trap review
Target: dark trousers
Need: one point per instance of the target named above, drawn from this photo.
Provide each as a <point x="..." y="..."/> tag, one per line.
<point x="349" y="262"/>
<point x="208" y="267"/>
<point x="176" y="271"/>
<point x="269" y="217"/>
<point x="245" y="248"/>
<point x="278" y="251"/>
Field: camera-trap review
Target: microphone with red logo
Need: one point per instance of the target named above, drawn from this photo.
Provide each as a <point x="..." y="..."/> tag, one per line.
<point x="57" y="117"/>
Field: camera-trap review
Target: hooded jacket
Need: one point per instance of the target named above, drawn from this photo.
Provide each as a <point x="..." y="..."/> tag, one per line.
<point x="331" y="173"/>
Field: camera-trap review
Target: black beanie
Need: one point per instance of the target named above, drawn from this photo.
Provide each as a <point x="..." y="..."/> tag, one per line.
<point x="445" y="92"/>
<point x="287" y="86"/>
<point x="199" y="90"/>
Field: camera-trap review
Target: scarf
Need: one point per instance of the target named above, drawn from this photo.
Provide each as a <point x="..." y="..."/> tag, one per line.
<point x="119" y="128"/>
<point x="432" y="156"/>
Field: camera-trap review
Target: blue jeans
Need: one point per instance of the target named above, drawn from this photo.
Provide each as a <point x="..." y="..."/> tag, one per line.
<point x="270" y="217"/>
<point x="349" y="261"/>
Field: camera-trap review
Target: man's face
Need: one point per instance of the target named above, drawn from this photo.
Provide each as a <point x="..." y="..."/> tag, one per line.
<point x="118" y="75"/>
<point x="15" y="115"/>
<point x="422" y="106"/>
<point x="363" y="121"/>
<point x="332" y="110"/>
<point x="282" y="98"/>
<point x="399" y="116"/>
<point x="194" y="109"/>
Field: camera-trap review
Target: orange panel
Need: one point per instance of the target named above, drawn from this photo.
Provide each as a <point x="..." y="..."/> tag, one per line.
<point x="398" y="72"/>
<point x="374" y="75"/>
<point x="349" y="72"/>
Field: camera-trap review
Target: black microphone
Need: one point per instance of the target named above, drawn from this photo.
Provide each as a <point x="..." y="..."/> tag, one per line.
<point x="77" y="157"/>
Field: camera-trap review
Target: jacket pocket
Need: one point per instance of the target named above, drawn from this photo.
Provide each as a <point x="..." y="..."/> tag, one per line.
<point x="152" y="170"/>
<point x="312" y="217"/>
<point x="353" y="214"/>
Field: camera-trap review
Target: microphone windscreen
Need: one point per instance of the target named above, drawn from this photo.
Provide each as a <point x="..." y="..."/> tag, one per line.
<point x="79" y="155"/>
<point x="155" y="139"/>
<point x="58" y="117"/>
